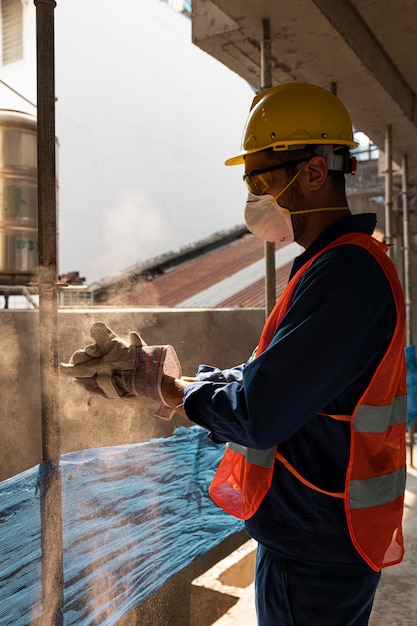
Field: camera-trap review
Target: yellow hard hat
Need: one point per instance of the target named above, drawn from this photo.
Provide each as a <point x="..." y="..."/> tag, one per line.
<point x="294" y="115"/>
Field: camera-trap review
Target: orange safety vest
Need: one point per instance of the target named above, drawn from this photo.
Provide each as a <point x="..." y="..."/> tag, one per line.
<point x="375" y="479"/>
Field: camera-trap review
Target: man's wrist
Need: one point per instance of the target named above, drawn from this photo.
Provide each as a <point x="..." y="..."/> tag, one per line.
<point x="173" y="392"/>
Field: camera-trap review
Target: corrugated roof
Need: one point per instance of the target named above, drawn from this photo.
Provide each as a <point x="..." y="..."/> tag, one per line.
<point x="229" y="276"/>
<point x="237" y="283"/>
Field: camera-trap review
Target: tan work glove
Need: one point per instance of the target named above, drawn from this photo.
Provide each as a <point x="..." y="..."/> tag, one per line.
<point x="115" y="368"/>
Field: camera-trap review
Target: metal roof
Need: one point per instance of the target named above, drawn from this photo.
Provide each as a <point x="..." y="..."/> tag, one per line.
<point x="235" y="285"/>
<point x="231" y="275"/>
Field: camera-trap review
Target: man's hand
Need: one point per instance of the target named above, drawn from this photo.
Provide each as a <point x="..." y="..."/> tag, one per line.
<point x="115" y="368"/>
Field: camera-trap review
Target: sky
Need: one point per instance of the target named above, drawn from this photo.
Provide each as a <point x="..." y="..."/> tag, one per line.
<point x="144" y="122"/>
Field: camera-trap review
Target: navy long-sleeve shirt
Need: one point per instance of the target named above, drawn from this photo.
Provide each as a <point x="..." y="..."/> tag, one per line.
<point x="321" y="359"/>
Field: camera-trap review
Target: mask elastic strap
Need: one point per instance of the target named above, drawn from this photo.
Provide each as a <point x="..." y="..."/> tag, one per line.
<point x="327" y="208"/>
<point x="289" y="183"/>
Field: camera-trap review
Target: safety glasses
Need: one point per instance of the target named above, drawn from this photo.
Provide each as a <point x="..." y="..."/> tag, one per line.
<point x="258" y="181"/>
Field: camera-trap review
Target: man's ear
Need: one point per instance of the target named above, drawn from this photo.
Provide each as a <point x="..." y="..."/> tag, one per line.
<point x="316" y="172"/>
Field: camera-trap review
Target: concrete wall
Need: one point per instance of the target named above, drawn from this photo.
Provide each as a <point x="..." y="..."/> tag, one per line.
<point x="221" y="337"/>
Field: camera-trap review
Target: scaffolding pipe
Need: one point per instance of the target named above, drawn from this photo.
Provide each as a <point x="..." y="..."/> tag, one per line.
<point x="407" y="277"/>
<point x="269" y="247"/>
<point x="406" y="250"/>
<point x="388" y="189"/>
<point x="50" y="479"/>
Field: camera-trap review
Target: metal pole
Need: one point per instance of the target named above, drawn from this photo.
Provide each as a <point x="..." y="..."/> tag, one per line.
<point x="50" y="479"/>
<point x="269" y="247"/>
<point x="407" y="277"/>
<point x="406" y="250"/>
<point x="388" y="188"/>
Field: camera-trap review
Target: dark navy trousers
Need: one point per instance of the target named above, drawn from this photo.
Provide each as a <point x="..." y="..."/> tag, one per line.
<point x="294" y="593"/>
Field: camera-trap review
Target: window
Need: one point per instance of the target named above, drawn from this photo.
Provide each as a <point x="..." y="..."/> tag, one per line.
<point x="12" y="30"/>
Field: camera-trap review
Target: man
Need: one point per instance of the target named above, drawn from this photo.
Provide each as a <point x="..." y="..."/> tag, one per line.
<point x="315" y="420"/>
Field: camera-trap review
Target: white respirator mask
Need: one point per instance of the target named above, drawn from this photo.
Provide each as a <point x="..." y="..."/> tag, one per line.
<point x="270" y="221"/>
<point x="266" y="219"/>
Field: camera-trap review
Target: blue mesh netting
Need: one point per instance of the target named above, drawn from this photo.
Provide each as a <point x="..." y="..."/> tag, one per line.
<point x="133" y="517"/>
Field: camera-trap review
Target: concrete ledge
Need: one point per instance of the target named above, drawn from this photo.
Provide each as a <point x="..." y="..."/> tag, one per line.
<point x="220" y="588"/>
<point x="172" y="605"/>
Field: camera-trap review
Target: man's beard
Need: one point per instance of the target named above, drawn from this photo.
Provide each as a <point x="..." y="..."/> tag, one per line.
<point x="295" y="201"/>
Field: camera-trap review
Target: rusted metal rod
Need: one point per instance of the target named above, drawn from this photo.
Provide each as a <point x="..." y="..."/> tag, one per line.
<point x="47" y="231"/>
<point x="50" y="479"/>
<point x="406" y="250"/>
<point x="407" y="277"/>
<point x="388" y="188"/>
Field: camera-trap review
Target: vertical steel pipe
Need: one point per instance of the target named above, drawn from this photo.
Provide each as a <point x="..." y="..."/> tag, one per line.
<point x="388" y="188"/>
<point x="406" y="249"/>
<point x="407" y="276"/>
<point x="47" y="227"/>
<point x="269" y="247"/>
<point x="50" y="479"/>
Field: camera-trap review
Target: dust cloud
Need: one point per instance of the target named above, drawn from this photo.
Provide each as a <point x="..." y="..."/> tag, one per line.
<point x="132" y="232"/>
<point x="86" y="421"/>
<point x="89" y="420"/>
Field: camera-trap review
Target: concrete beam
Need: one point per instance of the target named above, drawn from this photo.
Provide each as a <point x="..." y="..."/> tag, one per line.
<point x="345" y="19"/>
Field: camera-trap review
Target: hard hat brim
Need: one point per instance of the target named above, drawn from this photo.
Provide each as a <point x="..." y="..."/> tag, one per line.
<point x="239" y="159"/>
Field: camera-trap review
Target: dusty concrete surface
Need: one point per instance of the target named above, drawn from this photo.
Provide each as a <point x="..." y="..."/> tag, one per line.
<point x="396" y="599"/>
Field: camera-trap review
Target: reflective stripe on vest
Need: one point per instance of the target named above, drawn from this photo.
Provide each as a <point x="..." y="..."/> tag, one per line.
<point x="377" y="491"/>
<point x="376" y="419"/>
<point x="261" y="458"/>
<point x="375" y="479"/>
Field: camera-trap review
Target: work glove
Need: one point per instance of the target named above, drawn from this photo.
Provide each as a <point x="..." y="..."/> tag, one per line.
<point x="115" y="368"/>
